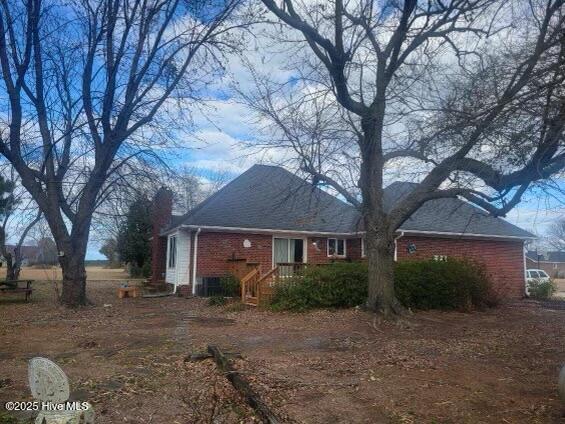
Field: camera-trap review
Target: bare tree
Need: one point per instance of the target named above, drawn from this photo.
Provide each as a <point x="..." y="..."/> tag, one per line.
<point x="453" y="88"/>
<point x="19" y="219"/>
<point x="556" y="235"/>
<point x="90" y="85"/>
<point x="190" y="188"/>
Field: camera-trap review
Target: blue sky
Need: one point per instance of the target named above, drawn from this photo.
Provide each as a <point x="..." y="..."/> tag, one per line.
<point x="223" y="126"/>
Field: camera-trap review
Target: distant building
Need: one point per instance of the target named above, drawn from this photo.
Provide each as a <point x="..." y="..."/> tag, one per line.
<point x="29" y="254"/>
<point x="552" y="262"/>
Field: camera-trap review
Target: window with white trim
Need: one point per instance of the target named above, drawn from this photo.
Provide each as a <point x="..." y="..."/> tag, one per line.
<point x="363" y="247"/>
<point x="172" y="251"/>
<point x="336" y="247"/>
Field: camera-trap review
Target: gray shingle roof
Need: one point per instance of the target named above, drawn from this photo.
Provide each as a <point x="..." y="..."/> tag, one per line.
<point x="534" y="255"/>
<point x="556" y="256"/>
<point x="269" y="197"/>
<point x="452" y="215"/>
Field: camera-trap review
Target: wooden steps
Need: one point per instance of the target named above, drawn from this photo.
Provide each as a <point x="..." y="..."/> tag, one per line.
<point x="257" y="289"/>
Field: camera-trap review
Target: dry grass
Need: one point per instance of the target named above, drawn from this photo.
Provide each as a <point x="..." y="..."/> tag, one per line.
<point x="94" y="273"/>
<point x="126" y="357"/>
<point x="560" y="283"/>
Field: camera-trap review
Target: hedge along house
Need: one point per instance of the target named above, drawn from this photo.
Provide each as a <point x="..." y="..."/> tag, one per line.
<point x="269" y="218"/>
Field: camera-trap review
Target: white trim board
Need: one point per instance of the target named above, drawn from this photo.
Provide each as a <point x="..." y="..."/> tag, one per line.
<point x="265" y="231"/>
<point x="349" y="235"/>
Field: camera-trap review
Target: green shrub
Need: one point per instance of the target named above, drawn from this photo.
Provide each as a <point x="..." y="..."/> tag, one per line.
<point x="451" y="284"/>
<point x="338" y="285"/>
<point x="7" y="419"/>
<point x="217" y="301"/>
<point x="230" y="286"/>
<point x="146" y="269"/>
<point x="538" y="289"/>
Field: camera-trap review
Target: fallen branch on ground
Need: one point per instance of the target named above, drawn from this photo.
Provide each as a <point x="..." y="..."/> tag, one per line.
<point x="241" y="385"/>
<point x="199" y="356"/>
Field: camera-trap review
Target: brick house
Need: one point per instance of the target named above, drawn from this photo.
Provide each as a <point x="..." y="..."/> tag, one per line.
<point x="553" y="263"/>
<point x="267" y="216"/>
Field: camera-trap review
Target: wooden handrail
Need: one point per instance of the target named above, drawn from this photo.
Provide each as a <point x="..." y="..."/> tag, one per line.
<point x="268" y="274"/>
<point x="249" y="276"/>
<point x="249" y="285"/>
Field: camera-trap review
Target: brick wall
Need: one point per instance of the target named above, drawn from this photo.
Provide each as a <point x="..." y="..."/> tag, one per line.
<point x="317" y="250"/>
<point x="214" y="250"/>
<point x="158" y="258"/>
<point x="553" y="269"/>
<point x="318" y="253"/>
<point x="504" y="260"/>
<point x="354" y="249"/>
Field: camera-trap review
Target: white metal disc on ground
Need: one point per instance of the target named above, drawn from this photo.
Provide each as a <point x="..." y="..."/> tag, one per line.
<point x="47" y="381"/>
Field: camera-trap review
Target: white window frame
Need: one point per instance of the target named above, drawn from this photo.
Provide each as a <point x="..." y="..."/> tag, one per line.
<point x="336" y="255"/>
<point x="172" y="252"/>
<point x="363" y="254"/>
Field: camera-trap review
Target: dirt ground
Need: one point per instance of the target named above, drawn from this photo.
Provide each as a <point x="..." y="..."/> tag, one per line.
<point x="126" y="357"/>
<point x="93" y="273"/>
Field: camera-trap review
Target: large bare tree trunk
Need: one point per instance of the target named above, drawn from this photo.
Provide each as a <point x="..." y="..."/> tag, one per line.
<point x="72" y="251"/>
<point x="380" y="257"/>
<point x="74" y="277"/>
<point x="379" y="236"/>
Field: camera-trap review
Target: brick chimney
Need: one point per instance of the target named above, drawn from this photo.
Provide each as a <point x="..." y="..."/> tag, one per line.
<point x="161" y="212"/>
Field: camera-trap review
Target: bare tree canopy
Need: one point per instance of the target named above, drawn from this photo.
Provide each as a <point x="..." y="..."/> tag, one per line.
<point x="556" y="235"/>
<point x="19" y="217"/>
<point x="89" y="89"/>
<point x="456" y="90"/>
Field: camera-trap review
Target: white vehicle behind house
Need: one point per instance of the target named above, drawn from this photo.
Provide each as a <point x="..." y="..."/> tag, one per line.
<point x="535" y="275"/>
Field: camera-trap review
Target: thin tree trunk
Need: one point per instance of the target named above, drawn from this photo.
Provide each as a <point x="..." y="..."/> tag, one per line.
<point x="16" y="269"/>
<point x="12" y="268"/>
<point x="9" y="266"/>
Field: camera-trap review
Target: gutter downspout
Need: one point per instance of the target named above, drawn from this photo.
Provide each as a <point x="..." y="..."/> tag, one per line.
<point x="396" y="245"/>
<point x="194" y="258"/>
<point x="526" y="291"/>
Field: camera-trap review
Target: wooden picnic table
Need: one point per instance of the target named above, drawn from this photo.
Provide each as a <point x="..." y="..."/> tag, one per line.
<point x="15" y="287"/>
